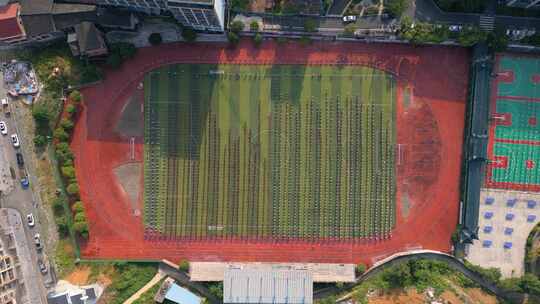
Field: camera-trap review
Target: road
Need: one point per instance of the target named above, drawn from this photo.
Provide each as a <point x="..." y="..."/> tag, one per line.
<point x="24" y="201"/>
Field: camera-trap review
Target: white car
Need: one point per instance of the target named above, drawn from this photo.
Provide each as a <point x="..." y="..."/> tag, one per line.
<point x="3" y="128"/>
<point x="15" y="140"/>
<point x="30" y="219"/>
<point x="37" y="240"/>
<point x="349" y="18"/>
<point x="455" y="28"/>
<point x="5" y="102"/>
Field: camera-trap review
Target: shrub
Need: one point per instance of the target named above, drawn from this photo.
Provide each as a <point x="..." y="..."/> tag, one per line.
<point x="41" y="116"/>
<point x="120" y="52"/>
<point x="240" y="5"/>
<point x="73" y="189"/>
<point x="79" y="217"/>
<point x="155" y="39"/>
<point x="281" y="40"/>
<point x="75" y="96"/>
<point x="471" y="36"/>
<point x="310" y="25"/>
<point x="66" y="124"/>
<point x="237" y="26"/>
<point x="491" y="274"/>
<point x="305" y="40"/>
<point x="254" y="26"/>
<point x="257" y="39"/>
<point x="361" y="268"/>
<point x="396" y="8"/>
<point x="40" y="141"/>
<point x="63" y="152"/>
<point x="81" y="228"/>
<point x="68" y="172"/>
<point x="62" y="225"/>
<point x="58" y="205"/>
<point x="114" y="60"/>
<point x="71" y="109"/>
<point x="77" y="207"/>
<point x="90" y="73"/>
<point x="189" y="34"/>
<point x="349" y="30"/>
<point x="183" y="266"/>
<point x="233" y="38"/>
<point x="60" y="134"/>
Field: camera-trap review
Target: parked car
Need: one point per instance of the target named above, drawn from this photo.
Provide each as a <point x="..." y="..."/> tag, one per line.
<point x="20" y="160"/>
<point x="42" y="267"/>
<point x="349" y="18"/>
<point x="37" y="240"/>
<point x="15" y="140"/>
<point x="25" y="183"/>
<point x="3" y="128"/>
<point x="455" y="28"/>
<point x="30" y="219"/>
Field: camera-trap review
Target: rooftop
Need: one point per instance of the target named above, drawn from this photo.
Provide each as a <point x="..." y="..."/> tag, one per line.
<point x="9" y="23"/>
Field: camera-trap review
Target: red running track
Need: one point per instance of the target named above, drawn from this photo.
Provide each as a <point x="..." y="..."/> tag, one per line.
<point x="430" y="128"/>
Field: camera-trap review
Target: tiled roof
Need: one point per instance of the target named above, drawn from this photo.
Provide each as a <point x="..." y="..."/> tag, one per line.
<point x="9" y="25"/>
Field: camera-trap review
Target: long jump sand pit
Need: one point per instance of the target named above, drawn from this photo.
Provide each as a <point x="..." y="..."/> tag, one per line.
<point x="427" y="151"/>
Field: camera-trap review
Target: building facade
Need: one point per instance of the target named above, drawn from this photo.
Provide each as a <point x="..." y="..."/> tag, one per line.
<point x="204" y="15"/>
<point x="532" y="4"/>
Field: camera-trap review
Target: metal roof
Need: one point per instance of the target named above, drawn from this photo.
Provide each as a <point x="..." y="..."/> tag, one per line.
<point x="270" y="286"/>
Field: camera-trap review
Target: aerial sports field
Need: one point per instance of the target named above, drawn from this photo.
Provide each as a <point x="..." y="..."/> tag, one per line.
<point x="328" y="152"/>
<point x="269" y="151"/>
<point x="514" y="142"/>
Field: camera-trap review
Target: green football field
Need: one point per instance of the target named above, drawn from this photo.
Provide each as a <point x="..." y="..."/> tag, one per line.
<point x="269" y="151"/>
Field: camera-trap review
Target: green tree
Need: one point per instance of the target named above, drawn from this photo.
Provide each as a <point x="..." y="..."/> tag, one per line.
<point x="349" y="30"/>
<point x="62" y="225"/>
<point x="396" y="8"/>
<point x="360" y="268"/>
<point x="60" y="134"/>
<point x="233" y="38"/>
<point x="67" y="124"/>
<point x="254" y="26"/>
<point x="189" y="34"/>
<point x="114" y="60"/>
<point x="239" y="5"/>
<point x="183" y="265"/>
<point x="310" y="25"/>
<point x="305" y="40"/>
<point x="257" y="39"/>
<point x="155" y="39"/>
<point x="40" y="141"/>
<point x="530" y="284"/>
<point x="73" y="189"/>
<point x="81" y="228"/>
<point x="71" y="109"/>
<point x="41" y="116"/>
<point x="58" y="206"/>
<point x="497" y="42"/>
<point x="79" y="217"/>
<point x="398" y="276"/>
<point x="68" y="172"/>
<point x="237" y="26"/>
<point x="75" y="96"/>
<point x="77" y="207"/>
<point x="471" y="36"/>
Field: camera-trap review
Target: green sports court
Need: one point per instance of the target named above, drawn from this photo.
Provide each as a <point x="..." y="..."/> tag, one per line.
<point x="514" y="147"/>
<point x="269" y="151"/>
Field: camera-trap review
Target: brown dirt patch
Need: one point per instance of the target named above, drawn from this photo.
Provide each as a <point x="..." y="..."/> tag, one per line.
<point x="410" y="296"/>
<point x="79" y="276"/>
<point x="479" y="296"/>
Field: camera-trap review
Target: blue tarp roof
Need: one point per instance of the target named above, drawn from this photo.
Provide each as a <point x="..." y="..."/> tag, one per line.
<point x="181" y="295"/>
<point x="488" y="215"/>
<point x="489" y="200"/>
<point x="531" y="204"/>
<point x="509" y="216"/>
<point x="488" y="229"/>
<point x="508" y="231"/>
<point x="531" y="218"/>
<point x="511" y="202"/>
<point x="486" y="243"/>
<point x="507" y="245"/>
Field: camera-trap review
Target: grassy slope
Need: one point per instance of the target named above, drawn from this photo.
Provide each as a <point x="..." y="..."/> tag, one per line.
<point x="321" y="150"/>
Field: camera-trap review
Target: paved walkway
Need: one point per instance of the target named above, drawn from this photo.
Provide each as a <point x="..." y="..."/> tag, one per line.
<point x="156" y="279"/>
